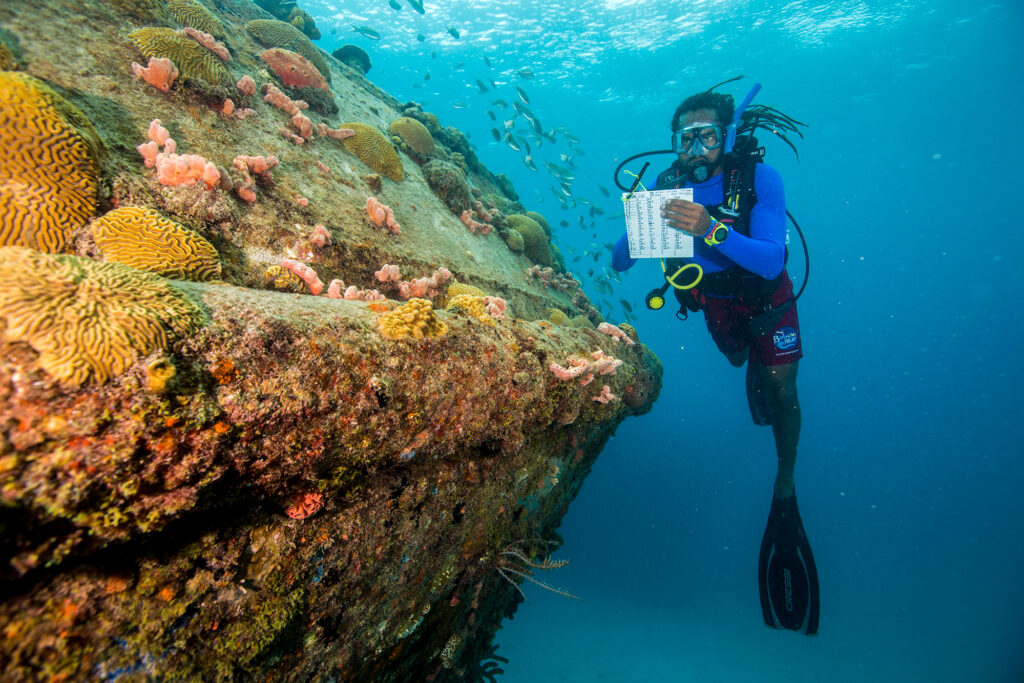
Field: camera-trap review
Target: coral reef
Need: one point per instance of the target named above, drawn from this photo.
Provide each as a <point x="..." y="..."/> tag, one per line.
<point x="251" y="475"/>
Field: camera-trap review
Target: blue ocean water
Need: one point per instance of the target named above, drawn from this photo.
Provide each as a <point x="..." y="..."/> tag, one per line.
<point x="908" y="189"/>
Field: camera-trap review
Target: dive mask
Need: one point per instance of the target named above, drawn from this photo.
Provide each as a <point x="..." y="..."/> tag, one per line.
<point x="697" y="139"/>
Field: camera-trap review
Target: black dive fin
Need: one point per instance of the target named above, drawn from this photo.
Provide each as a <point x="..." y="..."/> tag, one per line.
<point x="786" y="575"/>
<point x="760" y="411"/>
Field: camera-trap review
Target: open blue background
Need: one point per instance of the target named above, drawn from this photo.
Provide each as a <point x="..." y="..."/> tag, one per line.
<point x="908" y="189"/>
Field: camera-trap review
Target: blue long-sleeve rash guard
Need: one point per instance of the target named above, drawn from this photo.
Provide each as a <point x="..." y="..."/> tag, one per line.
<point x="763" y="253"/>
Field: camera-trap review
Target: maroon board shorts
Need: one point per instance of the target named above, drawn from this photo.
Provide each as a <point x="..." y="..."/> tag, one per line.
<point x="727" y="321"/>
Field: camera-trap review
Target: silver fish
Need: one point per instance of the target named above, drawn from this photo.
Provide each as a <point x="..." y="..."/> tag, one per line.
<point x="366" y="31"/>
<point x="522" y="95"/>
<point x="524" y="73"/>
<point x="512" y="143"/>
<point x="528" y="160"/>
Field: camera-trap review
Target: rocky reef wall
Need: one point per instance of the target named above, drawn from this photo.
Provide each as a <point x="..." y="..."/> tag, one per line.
<point x="214" y="466"/>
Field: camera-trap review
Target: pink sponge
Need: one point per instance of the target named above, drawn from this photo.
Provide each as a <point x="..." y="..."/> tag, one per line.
<point x="160" y="73"/>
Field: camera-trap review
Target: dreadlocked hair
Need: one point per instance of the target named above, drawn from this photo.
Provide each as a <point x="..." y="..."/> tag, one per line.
<point x="723" y="105"/>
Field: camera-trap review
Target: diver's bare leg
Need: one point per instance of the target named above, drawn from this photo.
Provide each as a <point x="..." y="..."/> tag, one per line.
<point x="779" y="383"/>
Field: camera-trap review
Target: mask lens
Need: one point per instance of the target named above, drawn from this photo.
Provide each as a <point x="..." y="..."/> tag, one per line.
<point x="697" y="139"/>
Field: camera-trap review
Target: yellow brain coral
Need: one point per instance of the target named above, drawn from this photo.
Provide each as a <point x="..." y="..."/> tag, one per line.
<point x="273" y="33"/>
<point x="473" y="305"/>
<point x="143" y="239"/>
<point x="192" y="59"/>
<point x="457" y="288"/>
<point x="192" y="14"/>
<point x="415" y="319"/>
<point x="414" y="134"/>
<point x="535" y="242"/>
<point x="88" y="321"/>
<point x="374" y="150"/>
<point x="50" y="170"/>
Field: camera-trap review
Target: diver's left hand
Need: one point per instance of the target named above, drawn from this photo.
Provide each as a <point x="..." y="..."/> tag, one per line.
<point x="689" y="217"/>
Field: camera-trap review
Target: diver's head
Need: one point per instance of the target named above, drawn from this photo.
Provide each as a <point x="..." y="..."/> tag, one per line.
<point x="698" y="133"/>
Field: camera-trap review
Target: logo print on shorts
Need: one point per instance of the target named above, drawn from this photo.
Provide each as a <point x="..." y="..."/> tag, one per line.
<point x="784" y="338"/>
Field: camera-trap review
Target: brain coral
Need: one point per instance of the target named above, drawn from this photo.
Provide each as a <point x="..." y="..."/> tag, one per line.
<point x="414" y="134"/>
<point x="88" y="321"/>
<point x="535" y="242"/>
<point x="273" y="33"/>
<point x="293" y="69"/>
<point x="457" y="288"/>
<point x="514" y="240"/>
<point x="449" y="184"/>
<point x="374" y="150"/>
<point x="143" y="239"/>
<point x="540" y="221"/>
<point x="557" y="316"/>
<point x="581" y="321"/>
<point x="50" y="174"/>
<point x="415" y="319"/>
<point x="192" y="59"/>
<point x="192" y="14"/>
<point x="473" y="306"/>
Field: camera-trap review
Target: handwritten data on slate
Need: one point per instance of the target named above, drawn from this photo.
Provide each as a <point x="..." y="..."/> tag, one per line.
<point x="646" y="232"/>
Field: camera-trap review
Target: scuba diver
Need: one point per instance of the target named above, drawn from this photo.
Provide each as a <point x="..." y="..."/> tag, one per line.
<point x="737" y="220"/>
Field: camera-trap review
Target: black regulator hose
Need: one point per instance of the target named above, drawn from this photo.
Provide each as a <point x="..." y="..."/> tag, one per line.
<point x="618" y="169"/>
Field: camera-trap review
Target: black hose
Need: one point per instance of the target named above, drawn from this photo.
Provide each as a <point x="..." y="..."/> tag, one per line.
<point x="807" y="255"/>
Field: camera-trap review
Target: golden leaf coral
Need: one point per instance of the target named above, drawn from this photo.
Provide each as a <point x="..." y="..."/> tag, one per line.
<point x="473" y="306"/>
<point x="141" y="238"/>
<point x="374" y="150"/>
<point x="273" y="33"/>
<point x="535" y="241"/>
<point x="192" y="59"/>
<point x="50" y="175"/>
<point x="88" y="321"/>
<point x="415" y="319"/>
<point x="414" y="134"/>
<point x="190" y="13"/>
